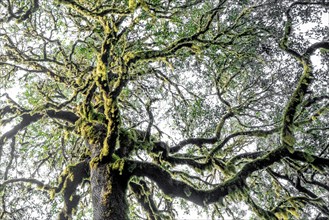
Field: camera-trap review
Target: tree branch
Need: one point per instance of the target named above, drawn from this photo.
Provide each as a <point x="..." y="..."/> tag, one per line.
<point x="311" y="49"/>
<point x="176" y="188"/>
<point x="143" y="196"/>
<point x="71" y="178"/>
<point x="28" y="118"/>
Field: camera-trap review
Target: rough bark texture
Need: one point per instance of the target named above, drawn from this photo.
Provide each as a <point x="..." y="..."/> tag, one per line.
<point x="108" y="194"/>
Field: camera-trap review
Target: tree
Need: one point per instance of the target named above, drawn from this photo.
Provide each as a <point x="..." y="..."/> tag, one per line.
<point x="141" y="108"/>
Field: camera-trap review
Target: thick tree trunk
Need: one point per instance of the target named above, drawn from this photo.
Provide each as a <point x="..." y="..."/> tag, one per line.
<point x="108" y="194"/>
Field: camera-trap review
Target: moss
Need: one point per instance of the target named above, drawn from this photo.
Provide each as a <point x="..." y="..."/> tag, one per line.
<point x="196" y="49"/>
<point x="108" y="186"/>
<point x="282" y="215"/>
<point x="287" y="30"/>
<point x="79" y="81"/>
<point x="52" y="194"/>
<point x="324" y="50"/>
<point x="289" y="141"/>
<point x="167" y="197"/>
<point x="95" y="116"/>
<point x="71" y="176"/>
<point x="107" y="193"/>
<point x="318" y="168"/>
<point x="94" y="132"/>
<point x="309" y="157"/>
<point x="94" y="162"/>
<point x="115" y="157"/>
<point x="101" y="69"/>
<point x="117" y="83"/>
<point x="105" y="150"/>
<point x="293" y="212"/>
<point x="132" y="4"/>
<point x="85" y="154"/>
<point x="40" y="187"/>
<point x="229" y="170"/>
<point x="128" y="56"/>
<point x="109" y="107"/>
<point x="118" y="165"/>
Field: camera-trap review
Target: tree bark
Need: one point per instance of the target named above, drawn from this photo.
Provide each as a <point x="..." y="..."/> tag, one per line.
<point x="108" y="194"/>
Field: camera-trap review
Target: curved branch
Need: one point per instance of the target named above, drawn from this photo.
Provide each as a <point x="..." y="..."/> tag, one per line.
<point x="296" y="184"/>
<point x="26" y="15"/>
<point x="248" y="155"/>
<point x="255" y="133"/>
<point x="186" y="42"/>
<point x="28" y="118"/>
<point x="310" y="158"/>
<point x="195" y="141"/>
<point x="143" y="196"/>
<point x="311" y="49"/>
<point x="296" y="99"/>
<point x="72" y="177"/>
<point x="69" y="180"/>
<point x="192" y="162"/>
<point x="288" y="28"/>
<point x="85" y="11"/>
<point x="176" y="188"/>
<point x="39" y="183"/>
<point x="63" y="115"/>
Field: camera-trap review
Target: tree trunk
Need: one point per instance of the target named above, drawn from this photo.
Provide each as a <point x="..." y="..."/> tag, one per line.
<point x="108" y="194"/>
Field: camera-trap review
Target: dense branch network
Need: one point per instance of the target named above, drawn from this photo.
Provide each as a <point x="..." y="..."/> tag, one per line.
<point x="97" y="83"/>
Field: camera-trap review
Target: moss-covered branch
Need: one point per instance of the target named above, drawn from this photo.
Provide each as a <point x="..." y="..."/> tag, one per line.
<point x="143" y="195"/>
<point x="169" y="185"/>
<point x="306" y="78"/>
<point x="27" y="119"/>
<point x="38" y="183"/>
<point x="189" y="42"/>
<point x="30" y="118"/>
<point x="98" y="12"/>
<point x="252" y="133"/>
<point x="69" y="180"/>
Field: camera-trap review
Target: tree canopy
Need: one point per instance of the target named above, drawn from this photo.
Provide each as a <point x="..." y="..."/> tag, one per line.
<point x="158" y="109"/>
